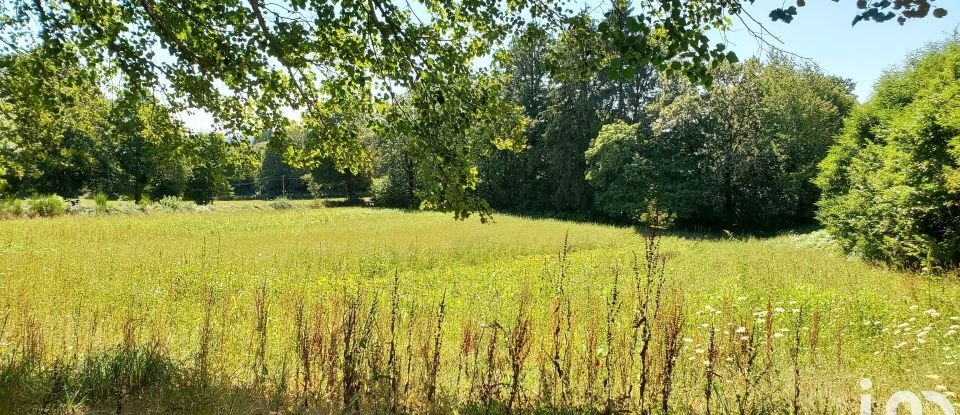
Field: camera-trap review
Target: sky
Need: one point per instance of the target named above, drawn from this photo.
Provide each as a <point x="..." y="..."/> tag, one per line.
<point x="821" y="32"/>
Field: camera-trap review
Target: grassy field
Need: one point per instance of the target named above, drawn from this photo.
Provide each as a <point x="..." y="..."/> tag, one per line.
<point x="248" y="310"/>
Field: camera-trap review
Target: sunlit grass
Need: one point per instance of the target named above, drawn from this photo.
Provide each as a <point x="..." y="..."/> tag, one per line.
<point x="81" y="286"/>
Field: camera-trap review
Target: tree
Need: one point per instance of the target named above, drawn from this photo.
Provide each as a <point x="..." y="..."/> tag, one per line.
<point x="151" y="147"/>
<point x="619" y="190"/>
<point x="740" y="154"/>
<point x="215" y="163"/>
<point x="339" y="61"/>
<point x="508" y="178"/>
<point x="891" y="184"/>
<point x="53" y="126"/>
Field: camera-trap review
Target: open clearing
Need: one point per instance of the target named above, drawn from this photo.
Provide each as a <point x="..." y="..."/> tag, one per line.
<point x="259" y="300"/>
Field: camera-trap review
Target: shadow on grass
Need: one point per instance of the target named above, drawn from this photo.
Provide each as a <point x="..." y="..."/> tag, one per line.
<point x="144" y="381"/>
<point x="140" y="381"/>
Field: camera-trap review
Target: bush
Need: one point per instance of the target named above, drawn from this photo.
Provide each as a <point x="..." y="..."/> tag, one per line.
<point x="128" y="207"/>
<point x="11" y="206"/>
<point x="392" y="191"/>
<point x="100" y="199"/>
<point x="281" y="203"/>
<point x="47" y="206"/>
<point x="891" y="184"/>
<point x="174" y="204"/>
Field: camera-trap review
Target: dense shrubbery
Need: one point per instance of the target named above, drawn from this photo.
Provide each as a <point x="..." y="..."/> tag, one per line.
<point x="47" y="205"/>
<point x="36" y="205"/>
<point x="741" y="154"/>
<point x="281" y="203"/>
<point x="891" y="184"/>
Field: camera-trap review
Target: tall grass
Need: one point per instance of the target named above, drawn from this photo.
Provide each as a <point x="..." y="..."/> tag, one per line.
<point x="415" y="313"/>
<point x="100" y="202"/>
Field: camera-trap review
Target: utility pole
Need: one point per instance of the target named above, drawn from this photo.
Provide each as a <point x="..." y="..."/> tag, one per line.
<point x="283" y="185"/>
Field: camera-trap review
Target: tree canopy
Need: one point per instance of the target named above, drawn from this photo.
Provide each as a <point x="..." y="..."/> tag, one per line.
<point x="339" y="63"/>
<point x="891" y="183"/>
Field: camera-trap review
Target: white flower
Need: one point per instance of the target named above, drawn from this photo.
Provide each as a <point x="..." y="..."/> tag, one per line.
<point x="914" y="307"/>
<point x="778" y="335"/>
<point x="933" y="377"/>
<point x="687" y="340"/>
<point x="741" y="330"/>
<point x="699" y="351"/>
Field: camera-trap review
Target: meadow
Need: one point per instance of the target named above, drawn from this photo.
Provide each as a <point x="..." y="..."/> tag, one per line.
<point x="360" y="310"/>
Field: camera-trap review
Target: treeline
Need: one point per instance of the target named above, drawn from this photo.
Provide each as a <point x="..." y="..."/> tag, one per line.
<point x="606" y="143"/>
<point x="64" y="133"/>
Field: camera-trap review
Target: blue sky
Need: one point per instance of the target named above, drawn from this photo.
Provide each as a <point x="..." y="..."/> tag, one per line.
<point x="821" y="32"/>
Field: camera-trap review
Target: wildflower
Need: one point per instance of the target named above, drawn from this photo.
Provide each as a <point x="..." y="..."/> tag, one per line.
<point x="933" y="377"/>
<point x="741" y="330"/>
<point x="778" y="335"/>
<point x="914" y="307"/>
<point x="687" y="340"/>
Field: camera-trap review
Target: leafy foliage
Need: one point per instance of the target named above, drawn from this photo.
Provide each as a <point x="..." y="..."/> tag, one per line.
<point x="345" y="65"/>
<point x="47" y="205"/>
<point x="891" y="183"/>
<point x="611" y="172"/>
<point x="740" y="154"/>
